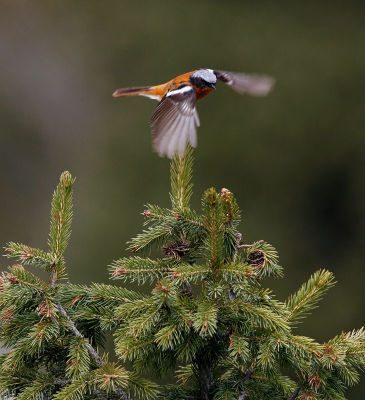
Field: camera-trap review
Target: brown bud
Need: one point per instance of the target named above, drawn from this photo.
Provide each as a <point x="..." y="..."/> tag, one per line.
<point x="162" y="288"/>
<point x="226" y="195"/>
<point x="7" y="314"/>
<point x="109" y="377"/>
<point x="26" y="256"/>
<point x="44" y="310"/>
<point x="120" y="271"/>
<point x="314" y="381"/>
<point x="66" y="179"/>
<point x="146" y="214"/>
<point x="13" y="279"/>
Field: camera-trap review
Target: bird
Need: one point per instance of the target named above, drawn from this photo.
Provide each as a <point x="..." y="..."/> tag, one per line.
<point x="175" y="119"/>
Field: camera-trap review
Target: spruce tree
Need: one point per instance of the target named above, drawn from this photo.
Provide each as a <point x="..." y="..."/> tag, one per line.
<point x="208" y="324"/>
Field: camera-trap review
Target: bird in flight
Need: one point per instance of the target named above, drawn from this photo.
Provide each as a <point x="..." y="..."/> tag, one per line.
<point x="175" y="119"/>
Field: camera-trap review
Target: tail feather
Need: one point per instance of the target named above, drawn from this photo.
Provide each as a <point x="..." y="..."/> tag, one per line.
<point x="134" y="91"/>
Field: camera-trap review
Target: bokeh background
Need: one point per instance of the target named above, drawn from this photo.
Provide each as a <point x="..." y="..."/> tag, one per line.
<point x="295" y="160"/>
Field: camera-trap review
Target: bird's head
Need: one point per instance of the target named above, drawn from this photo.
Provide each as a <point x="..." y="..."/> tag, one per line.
<point x="203" y="78"/>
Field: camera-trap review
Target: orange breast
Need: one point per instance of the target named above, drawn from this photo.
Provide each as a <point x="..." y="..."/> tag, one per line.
<point x="202" y="92"/>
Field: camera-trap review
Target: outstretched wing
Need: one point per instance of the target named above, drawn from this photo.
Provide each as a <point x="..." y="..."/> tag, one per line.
<point x="252" y="84"/>
<point x="174" y="122"/>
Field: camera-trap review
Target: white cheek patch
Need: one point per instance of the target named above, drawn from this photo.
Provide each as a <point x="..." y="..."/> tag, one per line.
<point x="184" y="89"/>
<point x="151" y="96"/>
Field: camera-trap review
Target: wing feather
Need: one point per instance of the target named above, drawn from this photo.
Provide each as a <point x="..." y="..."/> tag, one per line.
<point x="174" y="122"/>
<point x="252" y="84"/>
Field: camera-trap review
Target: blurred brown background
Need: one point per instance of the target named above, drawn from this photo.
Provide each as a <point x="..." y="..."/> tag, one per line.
<point x="295" y="160"/>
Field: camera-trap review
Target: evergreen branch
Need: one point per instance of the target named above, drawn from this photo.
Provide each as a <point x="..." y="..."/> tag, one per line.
<point x="140" y="269"/>
<point x="37" y="390"/>
<point x="306" y="298"/>
<point x="183" y="220"/>
<point x="185" y="374"/>
<point x="185" y="273"/>
<point x="204" y="321"/>
<point x="155" y="214"/>
<point x="77" y="333"/>
<point x="24" y="291"/>
<point x="345" y="353"/>
<point x="283" y="384"/>
<point x="101" y="317"/>
<point x="181" y="313"/>
<point x="188" y="219"/>
<point x="61" y="217"/>
<point x="77" y="390"/>
<point x="78" y="363"/>
<point x="259" y="316"/>
<point x="301" y="347"/>
<point x="143" y="323"/>
<point x="129" y="309"/>
<point x="168" y="225"/>
<point x="96" y="296"/>
<point x="239" y="347"/>
<point x="266" y="358"/>
<point x="181" y="172"/>
<point x="15" y="326"/>
<point x="153" y="235"/>
<point x="30" y="256"/>
<point x="237" y="272"/>
<point x="31" y="345"/>
<point x="112" y="378"/>
<point x="268" y="264"/>
<point x="19" y="277"/>
<point x="168" y="337"/>
<point x="12" y="381"/>
<point x="142" y="388"/>
<point x="131" y="347"/>
<point x="214" y="221"/>
<point x="246" y="379"/>
<point x="174" y="392"/>
<point x="295" y="394"/>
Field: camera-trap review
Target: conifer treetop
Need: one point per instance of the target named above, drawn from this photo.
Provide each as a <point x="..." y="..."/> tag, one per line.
<point x="207" y="322"/>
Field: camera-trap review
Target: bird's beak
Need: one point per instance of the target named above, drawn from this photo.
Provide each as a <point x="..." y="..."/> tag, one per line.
<point x="212" y="85"/>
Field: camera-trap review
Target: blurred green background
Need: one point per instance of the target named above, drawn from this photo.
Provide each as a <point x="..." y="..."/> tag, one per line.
<point x="295" y="160"/>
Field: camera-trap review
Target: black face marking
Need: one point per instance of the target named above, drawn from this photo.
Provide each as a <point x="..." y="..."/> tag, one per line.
<point x="198" y="82"/>
<point x="201" y="83"/>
